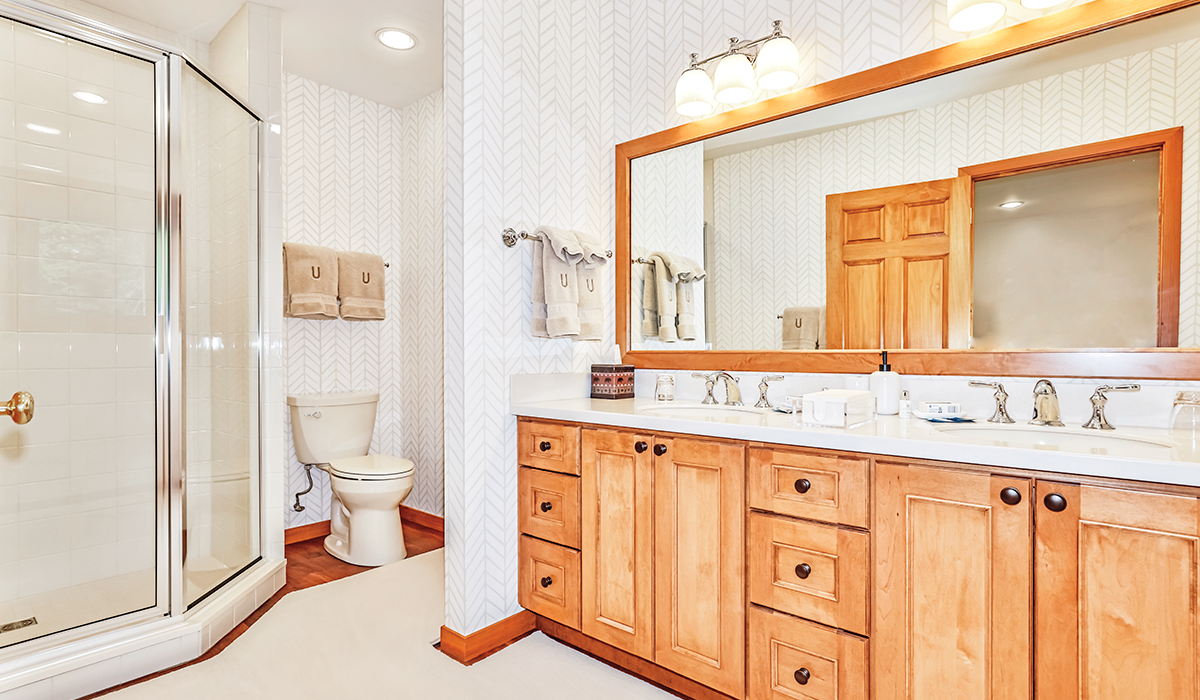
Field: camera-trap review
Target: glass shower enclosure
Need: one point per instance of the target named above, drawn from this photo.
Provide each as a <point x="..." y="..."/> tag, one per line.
<point x="129" y="309"/>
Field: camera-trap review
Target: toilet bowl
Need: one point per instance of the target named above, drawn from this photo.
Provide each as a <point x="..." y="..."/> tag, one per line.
<point x="333" y="432"/>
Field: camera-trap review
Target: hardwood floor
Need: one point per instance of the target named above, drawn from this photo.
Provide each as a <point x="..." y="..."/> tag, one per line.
<point x="308" y="565"/>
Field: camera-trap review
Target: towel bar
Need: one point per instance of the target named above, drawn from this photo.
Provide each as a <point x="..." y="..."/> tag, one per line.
<point x="511" y="237"/>
<point x="642" y="261"/>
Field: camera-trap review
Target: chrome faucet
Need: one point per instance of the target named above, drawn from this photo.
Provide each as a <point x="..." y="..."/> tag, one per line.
<point x="1099" y="400"/>
<point x="733" y="396"/>
<point x="763" y="401"/>
<point x="1045" y="404"/>
<point x="1001" y="396"/>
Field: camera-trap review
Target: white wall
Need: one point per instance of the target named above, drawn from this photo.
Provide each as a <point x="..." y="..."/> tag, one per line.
<point x="361" y="176"/>
<point x="537" y="95"/>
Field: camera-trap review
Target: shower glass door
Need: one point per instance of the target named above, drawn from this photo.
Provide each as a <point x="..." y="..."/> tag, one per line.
<point x="219" y="227"/>
<point x="78" y="483"/>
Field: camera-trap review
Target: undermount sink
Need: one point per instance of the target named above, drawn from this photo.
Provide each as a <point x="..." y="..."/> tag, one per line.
<point x="1049" y="438"/>
<point x="700" y="411"/>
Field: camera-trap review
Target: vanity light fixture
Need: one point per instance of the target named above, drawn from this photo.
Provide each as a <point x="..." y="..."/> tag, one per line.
<point x="90" y="98"/>
<point x="396" y="38"/>
<point x="775" y="65"/>
<point x="1014" y="204"/>
<point x="972" y="15"/>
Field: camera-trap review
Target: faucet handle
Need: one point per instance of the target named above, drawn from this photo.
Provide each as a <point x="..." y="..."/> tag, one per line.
<point x="1001" y="413"/>
<point x="1098" y="421"/>
<point x="710" y="382"/>
<point x="763" y="402"/>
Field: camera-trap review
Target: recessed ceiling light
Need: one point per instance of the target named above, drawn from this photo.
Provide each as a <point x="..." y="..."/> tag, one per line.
<point x="43" y="129"/>
<point x="91" y="98"/>
<point x="1012" y="205"/>
<point x="396" y="39"/>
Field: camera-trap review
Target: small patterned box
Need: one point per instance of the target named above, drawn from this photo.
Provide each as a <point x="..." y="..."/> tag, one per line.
<point x="612" y="381"/>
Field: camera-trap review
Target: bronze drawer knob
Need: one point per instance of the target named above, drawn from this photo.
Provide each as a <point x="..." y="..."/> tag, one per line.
<point x="803" y="485"/>
<point x="802" y="676"/>
<point x="547" y="506"/>
<point x="545" y="446"/>
<point x="803" y="570"/>
<point x="546" y="581"/>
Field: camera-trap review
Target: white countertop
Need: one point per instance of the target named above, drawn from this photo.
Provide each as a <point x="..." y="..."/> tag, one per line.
<point x="913" y="438"/>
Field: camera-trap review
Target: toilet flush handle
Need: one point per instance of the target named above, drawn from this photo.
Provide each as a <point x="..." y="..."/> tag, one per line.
<point x="314" y="414"/>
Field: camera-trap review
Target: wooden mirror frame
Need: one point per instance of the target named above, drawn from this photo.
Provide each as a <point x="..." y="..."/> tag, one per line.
<point x="1095" y="16"/>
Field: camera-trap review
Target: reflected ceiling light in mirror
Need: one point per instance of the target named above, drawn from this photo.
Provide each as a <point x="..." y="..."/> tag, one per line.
<point x="770" y="62"/>
<point x="1014" y="204"/>
<point x="1040" y="4"/>
<point x="90" y="98"/>
<point x="396" y="38"/>
<point x="972" y="15"/>
<point x="43" y="129"/>
<point x="694" y="91"/>
<point x="734" y="82"/>
<point x="778" y="64"/>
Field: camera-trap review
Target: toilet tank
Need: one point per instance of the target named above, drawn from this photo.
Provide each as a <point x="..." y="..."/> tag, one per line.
<point x="332" y="426"/>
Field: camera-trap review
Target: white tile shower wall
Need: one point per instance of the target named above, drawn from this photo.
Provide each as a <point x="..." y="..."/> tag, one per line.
<point x="360" y="176"/>
<point x="667" y="213"/>
<point x="537" y="95"/>
<point x="769" y="203"/>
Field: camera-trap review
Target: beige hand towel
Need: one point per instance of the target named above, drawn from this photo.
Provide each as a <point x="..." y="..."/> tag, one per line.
<point x="821" y="344"/>
<point x="590" y="273"/>
<point x="561" y="253"/>
<point x="360" y="286"/>
<point x="310" y="281"/>
<point x="681" y="269"/>
<point x="649" y="302"/>
<point x="537" y="291"/>
<point x="801" y="327"/>
<point x="665" y="288"/>
<point x="686" y="310"/>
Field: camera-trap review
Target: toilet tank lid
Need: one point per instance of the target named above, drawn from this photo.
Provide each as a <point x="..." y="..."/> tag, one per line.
<point x="344" y="399"/>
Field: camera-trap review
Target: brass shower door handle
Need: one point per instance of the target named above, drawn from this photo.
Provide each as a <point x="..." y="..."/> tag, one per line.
<point x="19" y="407"/>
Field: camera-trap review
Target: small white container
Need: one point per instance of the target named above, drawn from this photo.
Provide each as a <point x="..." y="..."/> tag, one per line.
<point x="838" y="408"/>
<point x="664" y="388"/>
<point x="941" y="408"/>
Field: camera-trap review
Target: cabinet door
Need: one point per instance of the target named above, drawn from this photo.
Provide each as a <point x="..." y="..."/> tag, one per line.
<point x="953" y="586"/>
<point x="618" y="539"/>
<point x="699" y="592"/>
<point x="1116" y="594"/>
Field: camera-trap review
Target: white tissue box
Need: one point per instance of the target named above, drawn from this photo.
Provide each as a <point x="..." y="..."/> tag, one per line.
<point x="838" y="408"/>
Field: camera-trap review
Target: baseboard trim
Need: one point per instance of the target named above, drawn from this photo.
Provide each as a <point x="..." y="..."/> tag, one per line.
<point x="305" y="532"/>
<point x="632" y="664"/>
<point x="312" y="531"/>
<point x="487" y="641"/>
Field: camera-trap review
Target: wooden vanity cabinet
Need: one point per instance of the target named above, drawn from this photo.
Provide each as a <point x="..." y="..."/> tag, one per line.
<point x="953" y="585"/>
<point x="1117" y="583"/>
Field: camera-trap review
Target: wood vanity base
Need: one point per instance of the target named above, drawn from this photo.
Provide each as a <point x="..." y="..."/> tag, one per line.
<point x="633" y="665"/>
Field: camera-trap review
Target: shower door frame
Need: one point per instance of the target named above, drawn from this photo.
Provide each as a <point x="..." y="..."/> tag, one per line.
<point x="170" y="432"/>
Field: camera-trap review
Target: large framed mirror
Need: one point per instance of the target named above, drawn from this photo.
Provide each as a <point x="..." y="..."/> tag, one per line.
<point x="1011" y="204"/>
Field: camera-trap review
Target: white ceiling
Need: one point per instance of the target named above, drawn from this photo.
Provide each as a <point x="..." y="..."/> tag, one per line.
<point x="329" y="41"/>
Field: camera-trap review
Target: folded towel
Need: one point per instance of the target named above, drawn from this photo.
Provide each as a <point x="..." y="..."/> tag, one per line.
<point x="360" y="286"/>
<point x="591" y="287"/>
<point x="310" y="281"/>
<point x="681" y="269"/>
<point x="649" y="302"/>
<point x="665" y="288"/>
<point x="801" y="327"/>
<point x="537" y="291"/>
<point x="821" y="345"/>
<point x="686" y="310"/>
<point x="561" y="251"/>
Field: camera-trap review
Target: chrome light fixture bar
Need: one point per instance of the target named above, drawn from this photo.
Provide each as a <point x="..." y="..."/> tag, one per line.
<point x="772" y="62"/>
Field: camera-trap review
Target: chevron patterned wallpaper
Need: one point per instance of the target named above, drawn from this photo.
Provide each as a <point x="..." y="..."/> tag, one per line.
<point x="364" y="177"/>
<point x="778" y="192"/>
<point x="537" y="94"/>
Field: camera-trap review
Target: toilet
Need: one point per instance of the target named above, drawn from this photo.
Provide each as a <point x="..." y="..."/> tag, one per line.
<point x="333" y="432"/>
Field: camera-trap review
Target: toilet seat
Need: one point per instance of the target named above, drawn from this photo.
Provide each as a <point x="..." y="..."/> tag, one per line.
<point x="371" y="468"/>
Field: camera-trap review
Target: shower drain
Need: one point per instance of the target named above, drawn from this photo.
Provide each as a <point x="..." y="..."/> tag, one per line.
<point x="18" y="625"/>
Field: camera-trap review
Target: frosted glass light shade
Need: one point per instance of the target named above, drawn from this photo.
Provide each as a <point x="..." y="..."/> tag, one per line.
<point x="972" y="15"/>
<point x="694" y="93"/>
<point x="735" y="79"/>
<point x="1040" y="4"/>
<point x="778" y="64"/>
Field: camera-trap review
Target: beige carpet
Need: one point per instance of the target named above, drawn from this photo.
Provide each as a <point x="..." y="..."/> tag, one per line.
<point x="369" y="636"/>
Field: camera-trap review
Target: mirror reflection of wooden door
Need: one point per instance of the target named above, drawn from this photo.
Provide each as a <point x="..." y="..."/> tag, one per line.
<point x="899" y="266"/>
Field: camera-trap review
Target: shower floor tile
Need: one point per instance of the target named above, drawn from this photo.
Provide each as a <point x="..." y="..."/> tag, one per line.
<point x="77" y="605"/>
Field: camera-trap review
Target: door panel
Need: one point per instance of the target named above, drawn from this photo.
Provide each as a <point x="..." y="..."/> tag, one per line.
<point x="618" y="546"/>
<point x="925" y="303"/>
<point x="864" y="308"/>
<point x="1117" y="581"/>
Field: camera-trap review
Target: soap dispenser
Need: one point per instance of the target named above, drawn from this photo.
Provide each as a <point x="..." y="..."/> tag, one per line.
<point x="885" y="387"/>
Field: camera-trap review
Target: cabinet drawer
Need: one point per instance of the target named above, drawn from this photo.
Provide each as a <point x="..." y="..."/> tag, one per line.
<point x="549" y="506"/>
<point x="548" y="446"/>
<point x="819" y="572"/>
<point x="549" y="580"/>
<point x="791" y="659"/>
<point x="815" y="485"/>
